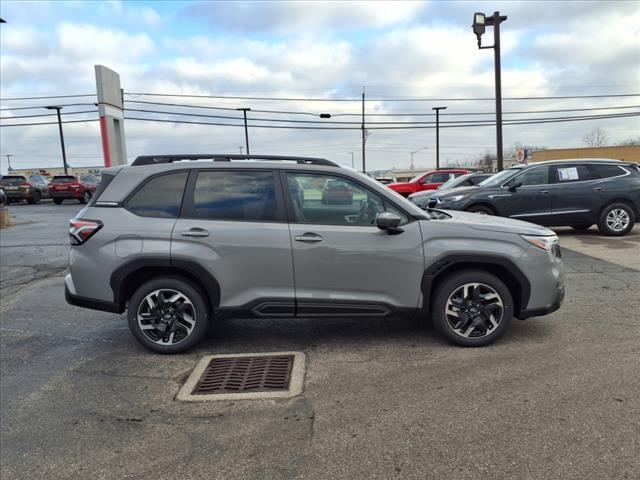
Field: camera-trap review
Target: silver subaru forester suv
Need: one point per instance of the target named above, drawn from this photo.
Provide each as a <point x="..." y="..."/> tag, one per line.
<point x="179" y="244"/>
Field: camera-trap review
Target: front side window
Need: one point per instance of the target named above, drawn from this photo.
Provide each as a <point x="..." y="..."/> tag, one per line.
<point x="329" y="200"/>
<point x="159" y="197"/>
<point x="534" y="176"/>
<point x="248" y="196"/>
<point x="439" y="178"/>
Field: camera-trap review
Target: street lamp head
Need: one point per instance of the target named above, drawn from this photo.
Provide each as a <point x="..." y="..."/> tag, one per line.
<point x="325" y="115"/>
<point x="53" y="107"/>
<point x="243" y="109"/>
<point x="479" y="25"/>
<point x="439" y="108"/>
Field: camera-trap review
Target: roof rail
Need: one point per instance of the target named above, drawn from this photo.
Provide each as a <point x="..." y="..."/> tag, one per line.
<point x="223" y="157"/>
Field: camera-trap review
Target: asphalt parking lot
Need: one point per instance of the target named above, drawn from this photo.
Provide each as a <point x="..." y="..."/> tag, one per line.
<point x="558" y="397"/>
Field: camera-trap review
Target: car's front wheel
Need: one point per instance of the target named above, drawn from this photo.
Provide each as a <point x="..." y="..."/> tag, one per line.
<point x="472" y="308"/>
<point x="35" y="198"/>
<point x="168" y="315"/>
<point x="57" y="201"/>
<point x="86" y="197"/>
<point x="481" y="209"/>
<point x="616" y="219"/>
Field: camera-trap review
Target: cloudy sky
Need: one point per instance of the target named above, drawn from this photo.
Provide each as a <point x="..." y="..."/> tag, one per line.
<point x="317" y="51"/>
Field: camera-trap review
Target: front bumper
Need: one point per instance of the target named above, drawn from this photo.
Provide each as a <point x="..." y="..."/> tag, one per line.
<point x="552" y="307"/>
<point x="73" y="299"/>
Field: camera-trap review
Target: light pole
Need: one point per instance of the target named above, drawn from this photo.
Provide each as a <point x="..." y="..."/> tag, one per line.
<point x="416" y="151"/>
<point x="480" y="20"/>
<point x="64" y="153"/>
<point x="9" y="162"/>
<point x="353" y="165"/>
<point x="437" y="109"/>
<point x="246" y="129"/>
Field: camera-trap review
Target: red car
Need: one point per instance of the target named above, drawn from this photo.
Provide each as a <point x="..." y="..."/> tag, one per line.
<point x="335" y="191"/>
<point x="427" y="181"/>
<point x="62" y="187"/>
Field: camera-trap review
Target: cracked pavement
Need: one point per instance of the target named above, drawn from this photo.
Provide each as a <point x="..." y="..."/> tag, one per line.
<point x="558" y="397"/>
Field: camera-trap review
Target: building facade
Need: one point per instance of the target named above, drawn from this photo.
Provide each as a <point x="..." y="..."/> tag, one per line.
<point x="627" y="153"/>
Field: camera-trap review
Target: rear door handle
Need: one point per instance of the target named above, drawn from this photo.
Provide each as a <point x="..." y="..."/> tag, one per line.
<point x="597" y="189"/>
<point x="195" y="232"/>
<point x="544" y="192"/>
<point x="309" y="237"/>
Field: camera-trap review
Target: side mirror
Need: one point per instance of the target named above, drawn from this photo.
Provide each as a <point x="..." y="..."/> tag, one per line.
<point x="389" y="222"/>
<point x="514" y="186"/>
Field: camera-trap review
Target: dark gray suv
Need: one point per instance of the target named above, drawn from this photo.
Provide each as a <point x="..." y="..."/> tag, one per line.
<point x="179" y="244"/>
<point x="576" y="193"/>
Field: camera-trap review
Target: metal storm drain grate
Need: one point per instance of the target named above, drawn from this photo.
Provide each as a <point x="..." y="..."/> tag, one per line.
<point x="226" y="377"/>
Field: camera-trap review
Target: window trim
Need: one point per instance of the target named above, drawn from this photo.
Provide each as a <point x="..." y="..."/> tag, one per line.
<point x="187" y="210"/>
<point x="125" y="203"/>
<point x="291" y="212"/>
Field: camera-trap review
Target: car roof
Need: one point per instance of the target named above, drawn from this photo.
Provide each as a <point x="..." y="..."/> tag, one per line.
<point x="581" y="160"/>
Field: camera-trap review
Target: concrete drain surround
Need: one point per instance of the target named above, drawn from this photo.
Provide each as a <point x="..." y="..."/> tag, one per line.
<point x="245" y="376"/>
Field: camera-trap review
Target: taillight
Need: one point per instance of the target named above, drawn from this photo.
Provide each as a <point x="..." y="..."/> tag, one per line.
<point x="82" y="230"/>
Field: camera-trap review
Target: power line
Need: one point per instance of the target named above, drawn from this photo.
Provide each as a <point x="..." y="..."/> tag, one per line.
<point x="452" y="99"/>
<point x="48" y="114"/>
<point x="46" y="123"/>
<point x="47" y="97"/>
<point x="44" y="106"/>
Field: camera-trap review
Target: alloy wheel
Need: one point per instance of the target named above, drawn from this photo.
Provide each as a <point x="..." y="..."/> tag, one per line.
<point x="86" y="196"/>
<point x="166" y="316"/>
<point x="618" y="219"/>
<point x="474" y="310"/>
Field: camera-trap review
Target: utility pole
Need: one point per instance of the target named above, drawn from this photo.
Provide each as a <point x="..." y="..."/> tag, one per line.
<point x="9" y="161"/>
<point x="246" y="129"/>
<point x="353" y="165"/>
<point x="364" y="137"/>
<point x="240" y="147"/>
<point x="480" y="21"/>
<point x="437" y="109"/>
<point x="64" y="153"/>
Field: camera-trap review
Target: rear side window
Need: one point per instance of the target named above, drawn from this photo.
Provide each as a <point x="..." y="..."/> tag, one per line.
<point x="159" y="197"/>
<point x="248" y="196"/>
<point x="608" y="171"/>
<point x="572" y="173"/>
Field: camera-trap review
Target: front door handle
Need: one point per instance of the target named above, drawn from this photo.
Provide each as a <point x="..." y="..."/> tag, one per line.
<point x="544" y="192"/>
<point x="309" y="237"/>
<point x="597" y="189"/>
<point x="195" y="232"/>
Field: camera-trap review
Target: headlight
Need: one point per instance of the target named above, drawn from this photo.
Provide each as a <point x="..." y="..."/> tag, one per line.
<point x="455" y="198"/>
<point x="545" y="243"/>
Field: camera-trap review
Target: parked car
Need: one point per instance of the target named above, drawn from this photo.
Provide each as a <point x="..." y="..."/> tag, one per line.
<point x="469" y="180"/>
<point x="184" y="244"/>
<point x="337" y="191"/>
<point x="32" y="188"/>
<point x="64" y="187"/>
<point x="3" y="198"/>
<point x="576" y="193"/>
<point x="427" y="181"/>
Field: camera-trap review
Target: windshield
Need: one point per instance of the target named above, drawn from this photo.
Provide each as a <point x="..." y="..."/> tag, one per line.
<point x="63" y="179"/>
<point x="12" y="180"/>
<point x="499" y="178"/>
<point x="417" y="178"/>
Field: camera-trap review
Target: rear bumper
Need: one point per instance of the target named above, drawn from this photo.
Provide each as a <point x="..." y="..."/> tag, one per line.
<point x="64" y="194"/>
<point x="17" y="195"/>
<point x="84" y="302"/>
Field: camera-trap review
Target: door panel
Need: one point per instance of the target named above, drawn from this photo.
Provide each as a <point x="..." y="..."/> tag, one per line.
<point x="232" y="223"/>
<point x="531" y="201"/>
<point x="342" y="262"/>
<point x="577" y="195"/>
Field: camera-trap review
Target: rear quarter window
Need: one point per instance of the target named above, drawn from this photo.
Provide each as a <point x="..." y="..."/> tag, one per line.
<point x="608" y="171"/>
<point x="159" y="197"/>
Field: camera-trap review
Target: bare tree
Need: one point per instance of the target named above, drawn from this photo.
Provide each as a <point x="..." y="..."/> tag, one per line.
<point x="629" y="142"/>
<point x="595" y="138"/>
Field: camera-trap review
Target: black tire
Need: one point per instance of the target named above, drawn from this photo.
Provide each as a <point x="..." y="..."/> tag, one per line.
<point x="86" y="197"/>
<point x="608" y="227"/>
<point x="584" y="226"/>
<point x="180" y="285"/>
<point x="453" y="283"/>
<point x="57" y="201"/>
<point x="35" y="198"/>
<point x="481" y="209"/>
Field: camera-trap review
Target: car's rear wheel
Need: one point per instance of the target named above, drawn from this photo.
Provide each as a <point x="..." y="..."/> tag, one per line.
<point x="57" y="201"/>
<point x="35" y="198"/>
<point x="616" y="219"/>
<point x="472" y="308"/>
<point x="481" y="209"/>
<point x="86" y="197"/>
<point x="168" y="315"/>
<point x="582" y="226"/>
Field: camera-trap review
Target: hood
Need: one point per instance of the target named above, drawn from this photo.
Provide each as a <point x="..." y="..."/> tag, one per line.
<point x="494" y="223"/>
